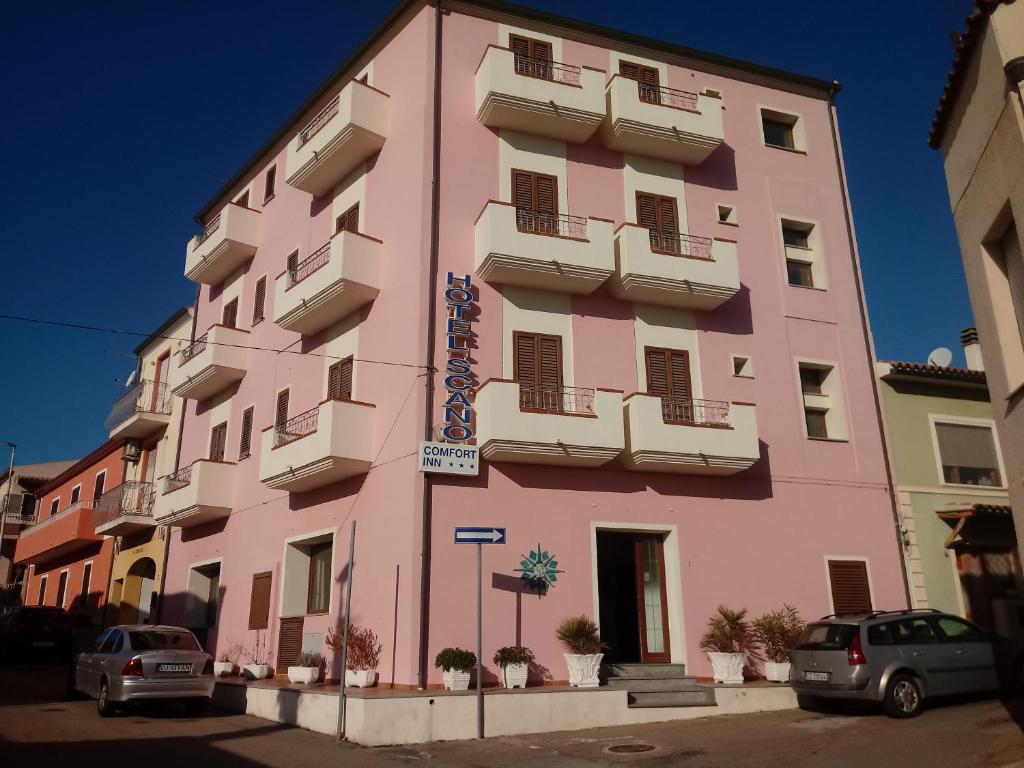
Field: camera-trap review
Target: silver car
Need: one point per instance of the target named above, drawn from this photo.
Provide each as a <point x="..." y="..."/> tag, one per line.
<point x="898" y="658"/>
<point x="134" y="663"/>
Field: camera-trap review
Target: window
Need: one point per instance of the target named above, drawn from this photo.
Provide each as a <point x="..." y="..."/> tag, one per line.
<point x="230" y="314"/>
<point x="281" y="412"/>
<point x="967" y="454"/>
<point x="42" y="591"/>
<point x="826" y="637"/>
<point x="293" y="263"/>
<point x="218" y="437"/>
<point x="202" y="598"/>
<point x="742" y="366"/>
<point x="1013" y="265"/>
<point x="848" y="581"/>
<point x="535" y="196"/>
<point x="959" y="631"/>
<point x="259" y="600"/>
<point x="259" y="301"/>
<point x="76" y="494"/>
<point x="269" y="181"/>
<point x="245" y="441"/>
<point x="537" y="366"/>
<point x="916" y="632"/>
<point x="882" y="634"/>
<point x="727" y="214"/>
<point x="28" y="505"/>
<point x="348" y="221"/>
<point x="243" y="199"/>
<point x="799" y="274"/>
<point x="647" y="78"/>
<point x="62" y="588"/>
<point x="319" y="595"/>
<point x="101" y="481"/>
<point x="810" y="380"/>
<point x="793" y="236"/>
<point x="816" y="422"/>
<point x="532" y="57"/>
<point x="821" y="394"/>
<point x="778" y="133"/>
<point x="365" y="79"/>
<point x="112" y="642"/>
<point x="160" y="640"/>
<point x="86" y="583"/>
<point x="660" y="215"/>
<point x="668" y="377"/>
<point x="339" y="380"/>
<point x="54" y="506"/>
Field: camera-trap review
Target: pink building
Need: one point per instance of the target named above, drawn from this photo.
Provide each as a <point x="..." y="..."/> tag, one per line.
<point x="670" y="380"/>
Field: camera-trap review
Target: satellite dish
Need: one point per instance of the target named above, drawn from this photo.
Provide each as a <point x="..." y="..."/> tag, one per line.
<point x="131" y="378"/>
<point x="941" y="357"/>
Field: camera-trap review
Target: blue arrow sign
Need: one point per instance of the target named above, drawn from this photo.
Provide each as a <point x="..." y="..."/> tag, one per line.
<point x="480" y="535"/>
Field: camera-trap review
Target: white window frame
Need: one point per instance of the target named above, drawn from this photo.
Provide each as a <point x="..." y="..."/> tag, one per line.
<point x="96" y="479"/>
<point x="81" y="589"/>
<point x="190" y="597"/>
<point x="72" y="500"/>
<point x="306" y="539"/>
<point x="828" y="579"/>
<point x="813" y="254"/>
<point x="67" y="583"/>
<point x="54" y="505"/>
<point x="732" y="219"/>
<point x="939" y="418"/>
<point x="43" y="582"/>
<point x="836" y="414"/>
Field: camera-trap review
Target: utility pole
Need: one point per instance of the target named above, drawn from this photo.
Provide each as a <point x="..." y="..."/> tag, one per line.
<point x="7" y="499"/>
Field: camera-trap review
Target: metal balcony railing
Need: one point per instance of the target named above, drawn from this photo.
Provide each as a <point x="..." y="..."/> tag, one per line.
<point x="698" y="412"/>
<point x="146" y="396"/>
<point x="197" y="347"/>
<point x="654" y="94"/>
<point x="208" y="230"/>
<point x="309" y="265"/>
<point x="678" y="244"/>
<point x="323" y="118"/>
<point x="547" y="223"/>
<point x="178" y="479"/>
<point x="130" y="498"/>
<point x="296" y="427"/>
<point x="547" y="70"/>
<point x="572" y="400"/>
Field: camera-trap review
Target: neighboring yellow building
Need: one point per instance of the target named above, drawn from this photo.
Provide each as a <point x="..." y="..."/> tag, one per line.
<point x="149" y="418"/>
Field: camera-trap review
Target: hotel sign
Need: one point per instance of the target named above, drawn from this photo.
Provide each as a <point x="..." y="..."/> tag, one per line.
<point x="449" y="458"/>
<point x="458" y="375"/>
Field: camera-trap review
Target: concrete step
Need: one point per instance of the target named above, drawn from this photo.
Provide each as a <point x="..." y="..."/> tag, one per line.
<point x="703" y="696"/>
<point x="643" y="671"/>
<point x="655" y="684"/>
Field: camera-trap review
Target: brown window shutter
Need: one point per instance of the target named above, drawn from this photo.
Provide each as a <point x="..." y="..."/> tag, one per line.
<point x="520" y="46"/>
<point x="679" y="374"/>
<point x="667" y="219"/>
<point x="657" y="372"/>
<point x="523" y="185"/>
<point x="218" y="436"/>
<point x="245" y="442"/>
<point x="629" y="69"/>
<point x="281" y="414"/>
<point x="230" y="316"/>
<point x="293" y="261"/>
<point x="524" y="361"/>
<point x="259" y="300"/>
<point x="541" y="50"/>
<point x="259" y="600"/>
<point x="551" y="362"/>
<point x="339" y="380"/>
<point x="349" y="220"/>
<point x="851" y="593"/>
<point x="547" y="193"/>
<point x="289" y="644"/>
<point x="647" y="210"/>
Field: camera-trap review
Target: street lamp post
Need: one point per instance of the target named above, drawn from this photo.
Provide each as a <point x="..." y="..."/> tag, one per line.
<point x="7" y="499"/>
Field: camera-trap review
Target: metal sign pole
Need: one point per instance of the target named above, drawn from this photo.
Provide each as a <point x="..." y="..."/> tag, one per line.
<point x="344" y="645"/>
<point x="479" y="642"/>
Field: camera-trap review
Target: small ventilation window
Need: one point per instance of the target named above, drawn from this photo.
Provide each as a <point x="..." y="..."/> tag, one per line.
<point x="727" y="214"/>
<point x="742" y="366"/>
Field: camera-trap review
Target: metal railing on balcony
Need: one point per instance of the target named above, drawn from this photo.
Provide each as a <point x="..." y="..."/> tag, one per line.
<point x="547" y="70"/>
<point x="698" y="412"/>
<point x="547" y="223"/>
<point x="323" y="118"/>
<point x="197" y="347"/>
<point x="130" y="498"/>
<point x="178" y="479"/>
<point x="208" y="230"/>
<point x="571" y="400"/>
<point x="670" y="97"/>
<point x="146" y="396"/>
<point x="309" y="265"/>
<point x="296" y="427"/>
<point x="678" y="244"/>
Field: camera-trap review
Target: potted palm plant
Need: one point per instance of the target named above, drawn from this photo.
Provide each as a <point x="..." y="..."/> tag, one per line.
<point x="225" y="663"/>
<point x="579" y="636"/>
<point x="308" y="670"/>
<point x="778" y="633"/>
<point x="258" y="666"/>
<point x="514" y="661"/>
<point x="363" y="655"/>
<point x="727" y="640"/>
<point x="455" y="665"/>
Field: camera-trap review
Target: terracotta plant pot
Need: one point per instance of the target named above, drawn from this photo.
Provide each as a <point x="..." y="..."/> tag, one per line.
<point x="727" y="667"/>
<point x="456" y="679"/>
<point x="304" y="675"/>
<point x="256" y="671"/>
<point x="583" y="669"/>
<point x="777" y="671"/>
<point x="223" y="668"/>
<point x="514" y="675"/>
<point x="361" y="678"/>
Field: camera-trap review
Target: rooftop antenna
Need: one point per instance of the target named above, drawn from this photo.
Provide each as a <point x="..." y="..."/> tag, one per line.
<point x="941" y="357"/>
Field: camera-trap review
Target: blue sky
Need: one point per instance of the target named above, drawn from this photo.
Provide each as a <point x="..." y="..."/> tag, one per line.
<point x="122" y="118"/>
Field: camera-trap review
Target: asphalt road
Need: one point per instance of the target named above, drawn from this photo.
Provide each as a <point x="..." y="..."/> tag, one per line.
<point x="40" y="728"/>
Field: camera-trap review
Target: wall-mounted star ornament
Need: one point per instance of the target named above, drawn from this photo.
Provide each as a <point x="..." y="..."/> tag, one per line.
<point x="539" y="569"/>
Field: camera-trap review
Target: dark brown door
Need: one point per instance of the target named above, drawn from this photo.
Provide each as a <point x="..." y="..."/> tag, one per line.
<point x="660" y="216"/>
<point x="652" y="601"/>
<point x="289" y="644"/>
<point x="647" y="78"/>
<point x="535" y="196"/>
<point x="537" y="366"/>
<point x="668" y="377"/>
<point x="532" y="57"/>
<point x="851" y="592"/>
<point x="218" y="441"/>
<point x="230" y="318"/>
<point x="339" y="380"/>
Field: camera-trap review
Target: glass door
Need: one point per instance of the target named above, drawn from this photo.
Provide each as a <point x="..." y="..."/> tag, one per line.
<point x="651" y="600"/>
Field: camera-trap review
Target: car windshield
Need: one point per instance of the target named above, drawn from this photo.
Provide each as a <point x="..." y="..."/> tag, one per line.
<point x="159" y="640"/>
<point x="826" y="637"/>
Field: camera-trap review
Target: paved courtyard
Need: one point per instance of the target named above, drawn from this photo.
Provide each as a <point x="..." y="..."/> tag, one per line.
<point x="38" y="728"/>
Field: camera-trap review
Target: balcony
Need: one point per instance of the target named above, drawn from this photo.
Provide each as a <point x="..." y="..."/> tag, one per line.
<point x="331" y="442"/>
<point x="672" y="269"/>
<point x="535" y="249"/>
<point x="143" y="410"/>
<point x="228" y="241"/>
<point x="211" y="363"/>
<point x="567" y="426"/>
<point x="696" y="437"/>
<point x="199" y="493"/>
<point x="673" y="125"/>
<point x="546" y="98"/>
<point x="124" y="510"/>
<point x="330" y="284"/>
<point x="66" y="531"/>
<point x="343" y="134"/>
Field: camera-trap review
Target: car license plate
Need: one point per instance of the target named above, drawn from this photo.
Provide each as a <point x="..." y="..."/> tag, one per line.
<point x="816" y="677"/>
<point x="173" y="667"/>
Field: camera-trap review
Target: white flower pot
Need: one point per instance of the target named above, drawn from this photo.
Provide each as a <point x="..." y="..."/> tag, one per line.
<point x="583" y="669"/>
<point x="303" y="674"/>
<point x="223" y="668"/>
<point x="727" y="667"/>
<point x="514" y="675"/>
<point x="456" y="679"/>
<point x="777" y="671"/>
<point x="361" y="678"/>
<point x="256" y="671"/>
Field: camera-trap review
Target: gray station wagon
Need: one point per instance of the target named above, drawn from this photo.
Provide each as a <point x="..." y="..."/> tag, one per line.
<point x="898" y="658"/>
<point x="135" y="663"/>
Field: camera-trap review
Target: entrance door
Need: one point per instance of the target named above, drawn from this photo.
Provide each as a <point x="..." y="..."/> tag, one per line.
<point x="631" y="597"/>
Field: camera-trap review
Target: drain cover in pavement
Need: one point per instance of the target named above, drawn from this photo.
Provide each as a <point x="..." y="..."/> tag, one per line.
<point x="620" y="749"/>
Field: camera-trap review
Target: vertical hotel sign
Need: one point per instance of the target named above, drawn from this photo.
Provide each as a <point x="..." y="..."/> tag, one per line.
<point x="458" y="375"/>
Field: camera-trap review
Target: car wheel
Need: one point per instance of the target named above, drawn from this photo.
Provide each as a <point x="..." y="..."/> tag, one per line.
<point x="104" y="705"/>
<point x="808" y="702"/>
<point x="195" y="707"/>
<point x="903" y="697"/>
